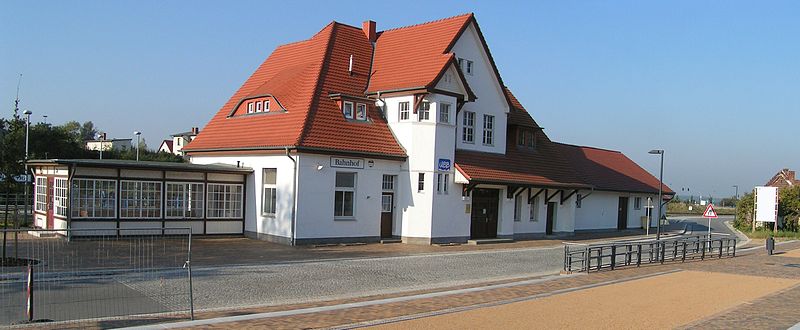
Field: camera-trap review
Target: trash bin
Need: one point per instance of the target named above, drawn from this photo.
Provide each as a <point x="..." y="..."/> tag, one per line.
<point x="770" y="245"/>
<point x="644" y="221"/>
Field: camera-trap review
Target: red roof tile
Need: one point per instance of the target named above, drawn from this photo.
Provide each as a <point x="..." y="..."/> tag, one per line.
<point x="610" y="170"/>
<point x="518" y="115"/>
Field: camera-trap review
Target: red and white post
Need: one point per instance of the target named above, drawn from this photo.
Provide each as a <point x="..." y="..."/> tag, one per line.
<point x="29" y="309"/>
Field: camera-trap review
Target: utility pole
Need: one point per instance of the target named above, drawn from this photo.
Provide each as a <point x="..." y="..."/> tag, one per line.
<point x="27" y="114"/>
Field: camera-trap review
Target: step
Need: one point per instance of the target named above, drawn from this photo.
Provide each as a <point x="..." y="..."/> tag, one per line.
<point x="390" y="240"/>
<point x="489" y="241"/>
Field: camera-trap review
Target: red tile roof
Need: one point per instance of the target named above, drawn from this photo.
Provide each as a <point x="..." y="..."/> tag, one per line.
<point x="169" y="145"/>
<point x="610" y="170"/>
<point x="518" y="115"/>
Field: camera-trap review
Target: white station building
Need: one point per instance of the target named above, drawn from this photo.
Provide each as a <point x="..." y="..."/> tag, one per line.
<point x="407" y="134"/>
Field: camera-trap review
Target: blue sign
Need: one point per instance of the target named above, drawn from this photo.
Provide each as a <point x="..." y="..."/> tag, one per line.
<point x="443" y="165"/>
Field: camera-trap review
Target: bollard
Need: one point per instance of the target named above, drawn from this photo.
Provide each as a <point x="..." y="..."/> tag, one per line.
<point x="29" y="309"/>
<point x="770" y="245"/>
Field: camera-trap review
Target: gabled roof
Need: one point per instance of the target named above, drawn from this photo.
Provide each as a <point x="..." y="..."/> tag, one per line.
<point x="518" y="115"/>
<point x="168" y="143"/>
<point x="610" y="170"/>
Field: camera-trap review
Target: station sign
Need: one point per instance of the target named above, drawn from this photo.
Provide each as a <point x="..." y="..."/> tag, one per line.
<point x="443" y="165"/>
<point x="347" y="162"/>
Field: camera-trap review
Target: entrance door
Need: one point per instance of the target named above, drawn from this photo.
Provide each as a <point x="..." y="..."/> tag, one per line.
<point x="622" y="215"/>
<point x="50" y="203"/>
<point x="387" y="214"/>
<point x="484" y="213"/>
<point x="551" y="218"/>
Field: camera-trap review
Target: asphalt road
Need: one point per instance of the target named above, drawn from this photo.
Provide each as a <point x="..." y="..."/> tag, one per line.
<point x="699" y="225"/>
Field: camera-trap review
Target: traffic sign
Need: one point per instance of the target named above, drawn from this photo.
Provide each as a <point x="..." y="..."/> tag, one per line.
<point x="710" y="212"/>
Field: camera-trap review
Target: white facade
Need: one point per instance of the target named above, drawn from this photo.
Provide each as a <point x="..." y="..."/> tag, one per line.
<point x="600" y="210"/>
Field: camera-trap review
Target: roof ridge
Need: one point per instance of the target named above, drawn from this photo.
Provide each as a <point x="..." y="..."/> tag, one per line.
<point x="429" y="22"/>
<point x="310" y="38"/>
<point x="588" y="147"/>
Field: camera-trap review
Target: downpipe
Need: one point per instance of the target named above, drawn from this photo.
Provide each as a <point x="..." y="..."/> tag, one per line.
<point x="294" y="199"/>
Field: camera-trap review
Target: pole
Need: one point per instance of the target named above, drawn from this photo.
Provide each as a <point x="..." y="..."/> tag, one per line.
<point x="27" y="133"/>
<point x="660" y="197"/>
<point x="138" y="136"/>
<point x="29" y="309"/>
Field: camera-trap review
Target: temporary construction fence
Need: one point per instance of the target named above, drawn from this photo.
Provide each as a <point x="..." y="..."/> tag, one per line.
<point x="90" y="275"/>
<point x="613" y="255"/>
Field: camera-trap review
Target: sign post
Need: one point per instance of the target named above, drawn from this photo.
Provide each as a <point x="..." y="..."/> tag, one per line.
<point x="709" y="214"/>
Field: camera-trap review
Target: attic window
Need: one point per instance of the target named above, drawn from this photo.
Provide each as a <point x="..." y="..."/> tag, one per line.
<point x="361" y="111"/>
<point x="526" y="138"/>
<point x="466" y="65"/>
<point x="347" y="109"/>
<point x="266" y="106"/>
<point x="250" y="107"/>
<point x="258" y="106"/>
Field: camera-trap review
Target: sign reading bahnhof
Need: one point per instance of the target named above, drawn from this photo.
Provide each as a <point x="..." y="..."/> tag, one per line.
<point x="347" y="162"/>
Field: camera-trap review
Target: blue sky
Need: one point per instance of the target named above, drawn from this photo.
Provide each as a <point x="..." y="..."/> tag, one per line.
<point x="716" y="84"/>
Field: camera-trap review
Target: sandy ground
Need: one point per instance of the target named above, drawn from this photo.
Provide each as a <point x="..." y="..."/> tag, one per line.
<point x="792" y="254"/>
<point x="664" y="301"/>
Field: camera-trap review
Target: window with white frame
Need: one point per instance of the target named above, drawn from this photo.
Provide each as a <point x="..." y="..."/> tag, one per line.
<point x="258" y="106"/>
<point x="442" y="180"/>
<point x="468" y="130"/>
<point x="444" y="113"/>
<point x="344" y="195"/>
<point x="224" y="201"/>
<point x="184" y="200"/>
<point x="488" y="130"/>
<point x="361" y="111"/>
<point x="347" y="110"/>
<point x="637" y="203"/>
<point x="404" y="111"/>
<point x="466" y="65"/>
<point x="421" y="182"/>
<point x="518" y="202"/>
<point x="266" y="106"/>
<point x="93" y="198"/>
<point x="41" y="194"/>
<point x="534" y="216"/>
<point x="60" y="199"/>
<point x="424" y="112"/>
<point x="250" y="107"/>
<point x="269" y="191"/>
<point x="387" y="183"/>
<point x="139" y="199"/>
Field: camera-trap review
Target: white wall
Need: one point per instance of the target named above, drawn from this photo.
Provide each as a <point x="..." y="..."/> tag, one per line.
<point x="600" y="210"/>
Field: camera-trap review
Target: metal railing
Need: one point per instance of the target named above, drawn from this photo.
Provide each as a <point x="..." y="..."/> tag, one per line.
<point x="81" y="276"/>
<point x="613" y="255"/>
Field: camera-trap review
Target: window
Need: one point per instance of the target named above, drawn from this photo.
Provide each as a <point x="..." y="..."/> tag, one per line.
<point x="444" y="113"/>
<point x="224" y="201"/>
<point x="184" y="200"/>
<point x="637" y="203"/>
<point x="518" y="207"/>
<point x="258" y="106"/>
<point x="361" y="111"/>
<point x="41" y="194"/>
<point x="91" y="198"/>
<point x="60" y="196"/>
<point x="534" y="216"/>
<point x="521" y="136"/>
<point x="468" y="131"/>
<point x="343" y="200"/>
<point x="250" y="107"/>
<point x="386" y="203"/>
<point x="488" y="130"/>
<point x="578" y="201"/>
<point x="347" y="109"/>
<point x="421" y="182"/>
<point x="442" y="180"/>
<point x="404" y="111"/>
<point x="424" y="111"/>
<point x="269" y="191"/>
<point x="266" y="106"/>
<point x="388" y="182"/>
<point x="466" y="65"/>
<point x="140" y="199"/>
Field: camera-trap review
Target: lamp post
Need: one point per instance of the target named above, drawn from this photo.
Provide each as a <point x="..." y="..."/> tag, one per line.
<point x="27" y="114"/>
<point x="138" y="137"/>
<point x="660" y="190"/>
<point x="100" y="137"/>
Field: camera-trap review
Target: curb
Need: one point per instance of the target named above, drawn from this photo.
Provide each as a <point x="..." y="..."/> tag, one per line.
<point x="745" y="240"/>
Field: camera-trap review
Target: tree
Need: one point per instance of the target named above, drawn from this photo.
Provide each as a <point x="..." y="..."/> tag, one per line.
<point x="88" y="131"/>
<point x="789" y="207"/>
<point x="744" y="212"/>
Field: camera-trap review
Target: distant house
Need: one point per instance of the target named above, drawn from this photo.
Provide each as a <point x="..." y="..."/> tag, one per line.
<point x="108" y="144"/>
<point x="180" y="140"/>
<point x="166" y="146"/>
<point x="783" y="179"/>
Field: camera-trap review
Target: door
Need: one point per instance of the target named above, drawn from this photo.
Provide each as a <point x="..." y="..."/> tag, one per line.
<point x="551" y="218"/>
<point x="387" y="214"/>
<point x="622" y="215"/>
<point x="50" y="203"/>
<point x="484" y="213"/>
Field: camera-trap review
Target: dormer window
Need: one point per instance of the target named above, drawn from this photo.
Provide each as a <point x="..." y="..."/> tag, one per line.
<point x="361" y="111"/>
<point x="250" y="107"/>
<point x="347" y="109"/>
<point x="526" y="138"/>
<point x="266" y="106"/>
<point x="258" y="106"/>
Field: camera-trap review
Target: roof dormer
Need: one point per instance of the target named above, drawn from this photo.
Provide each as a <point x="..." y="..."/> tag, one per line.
<point x="257" y="105"/>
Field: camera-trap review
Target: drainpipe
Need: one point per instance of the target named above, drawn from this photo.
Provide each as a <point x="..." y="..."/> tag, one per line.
<point x="294" y="198"/>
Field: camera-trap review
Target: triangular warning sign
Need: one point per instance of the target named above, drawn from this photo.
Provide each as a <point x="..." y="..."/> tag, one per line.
<point x="710" y="212"/>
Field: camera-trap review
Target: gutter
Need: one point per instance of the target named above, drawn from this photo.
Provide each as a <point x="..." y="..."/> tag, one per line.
<point x="294" y="199"/>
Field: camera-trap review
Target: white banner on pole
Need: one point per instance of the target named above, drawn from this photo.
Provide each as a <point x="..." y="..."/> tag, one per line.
<point x="766" y="204"/>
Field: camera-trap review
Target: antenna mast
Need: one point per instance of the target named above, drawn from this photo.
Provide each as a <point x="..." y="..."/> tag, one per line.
<point x="16" y="101"/>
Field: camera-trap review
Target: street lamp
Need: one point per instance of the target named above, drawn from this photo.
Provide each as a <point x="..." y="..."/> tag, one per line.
<point x="100" y="136"/>
<point x="27" y="114"/>
<point x="736" y="196"/>
<point x="138" y="137"/>
<point x="660" y="189"/>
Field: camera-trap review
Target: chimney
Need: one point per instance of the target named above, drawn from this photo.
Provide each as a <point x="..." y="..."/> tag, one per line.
<point x="195" y="131"/>
<point x="369" y="30"/>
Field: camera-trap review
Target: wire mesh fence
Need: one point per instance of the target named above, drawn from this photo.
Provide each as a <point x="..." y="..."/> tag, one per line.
<point x="90" y="275"/>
